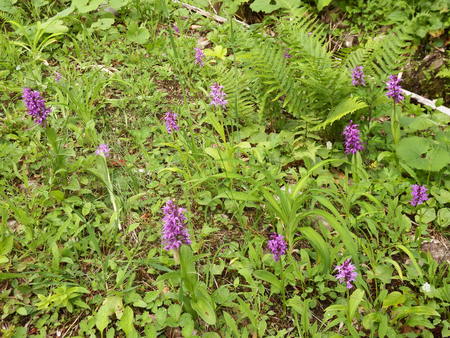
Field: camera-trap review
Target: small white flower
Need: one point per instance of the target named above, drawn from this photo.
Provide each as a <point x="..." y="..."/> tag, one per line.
<point x="18" y="67"/>
<point x="426" y="287"/>
<point x="329" y="145"/>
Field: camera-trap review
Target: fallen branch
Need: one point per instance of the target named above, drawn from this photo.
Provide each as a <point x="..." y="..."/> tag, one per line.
<point x="218" y="18"/>
<point x="427" y="102"/>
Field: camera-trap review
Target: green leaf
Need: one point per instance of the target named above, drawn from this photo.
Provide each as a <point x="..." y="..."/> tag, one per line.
<point x="218" y="52"/>
<point x="102" y="24"/>
<point x="394" y="298"/>
<point x="6" y="245"/>
<point x="137" y="34"/>
<point x="321" y="247"/>
<point x="426" y="215"/>
<point x="22" y="311"/>
<point x="424" y="310"/>
<point x="10" y="275"/>
<point x="353" y="303"/>
<point x="231" y="323"/>
<point x="117" y="4"/>
<point x="423" y="153"/>
<point x="289" y="4"/>
<point x="54" y="26"/>
<point x="412" y="258"/>
<point x="347" y="237"/>
<point x="443" y="217"/>
<point x="345" y="107"/>
<point x="187" y="265"/>
<point x="85" y="6"/>
<point x="322" y="3"/>
<point x="264" y="6"/>
<point x="126" y="323"/>
<point x="112" y="304"/>
<point x="270" y="278"/>
<point x="203" y="305"/>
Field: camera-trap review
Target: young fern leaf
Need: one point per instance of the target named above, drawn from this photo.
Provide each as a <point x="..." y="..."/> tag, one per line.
<point x="276" y="77"/>
<point x="345" y="107"/>
<point x="239" y="97"/>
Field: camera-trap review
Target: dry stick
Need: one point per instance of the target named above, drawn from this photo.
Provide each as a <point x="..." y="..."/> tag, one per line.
<point x="218" y="18"/>
<point x="427" y="102"/>
<point x="221" y="19"/>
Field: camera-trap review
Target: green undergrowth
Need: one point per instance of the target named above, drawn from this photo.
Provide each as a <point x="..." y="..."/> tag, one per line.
<point x="81" y="252"/>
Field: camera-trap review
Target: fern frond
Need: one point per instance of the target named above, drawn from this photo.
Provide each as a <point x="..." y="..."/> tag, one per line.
<point x="277" y="78"/>
<point x="239" y="96"/>
<point x="381" y="56"/>
<point x="345" y="107"/>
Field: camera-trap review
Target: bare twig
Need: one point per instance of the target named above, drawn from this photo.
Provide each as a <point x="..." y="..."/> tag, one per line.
<point x="218" y="18"/>
<point x="427" y="102"/>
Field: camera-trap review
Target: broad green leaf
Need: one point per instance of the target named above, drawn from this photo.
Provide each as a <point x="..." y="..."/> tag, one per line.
<point x="269" y="277"/>
<point x="188" y="273"/>
<point x="85" y="6"/>
<point x="346" y="235"/>
<point x="54" y="26"/>
<point x="126" y="323"/>
<point x="218" y="52"/>
<point x="353" y="303"/>
<point x="231" y="323"/>
<point x="137" y="34"/>
<point x="412" y="258"/>
<point x="321" y="247"/>
<point x="394" y="298"/>
<point x="10" y="275"/>
<point x="322" y="3"/>
<point x="238" y="196"/>
<point x="264" y="6"/>
<point x="117" y="4"/>
<point x="289" y="4"/>
<point x="423" y="153"/>
<point x="102" y="24"/>
<point x="443" y="217"/>
<point x="111" y="305"/>
<point x="203" y="305"/>
<point x="6" y="245"/>
<point x="424" y="310"/>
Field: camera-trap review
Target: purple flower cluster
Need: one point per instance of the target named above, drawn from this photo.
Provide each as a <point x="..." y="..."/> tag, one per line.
<point x="346" y="273"/>
<point x="58" y="76"/>
<point x="277" y="245"/>
<point x="171" y="122"/>
<point x="394" y="88"/>
<point x="35" y="105"/>
<point x="353" y="142"/>
<point x="286" y="53"/>
<point x="103" y="149"/>
<point x="358" y="76"/>
<point x="174" y="232"/>
<point x="419" y="194"/>
<point x="217" y="95"/>
<point x="199" y="55"/>
<point x="176" y="29"/>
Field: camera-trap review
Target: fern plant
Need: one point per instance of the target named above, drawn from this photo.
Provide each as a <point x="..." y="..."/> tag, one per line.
<point x="314" y="86"/>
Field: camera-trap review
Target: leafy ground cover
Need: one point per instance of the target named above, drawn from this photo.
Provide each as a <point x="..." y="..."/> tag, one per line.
<point x="165" y="175"/>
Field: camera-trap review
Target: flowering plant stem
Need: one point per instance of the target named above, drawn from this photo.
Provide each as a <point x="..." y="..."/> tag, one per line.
<point x="102" y="173"/>
<point x="395" y="126"/>
<point x="283" y="286"/>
